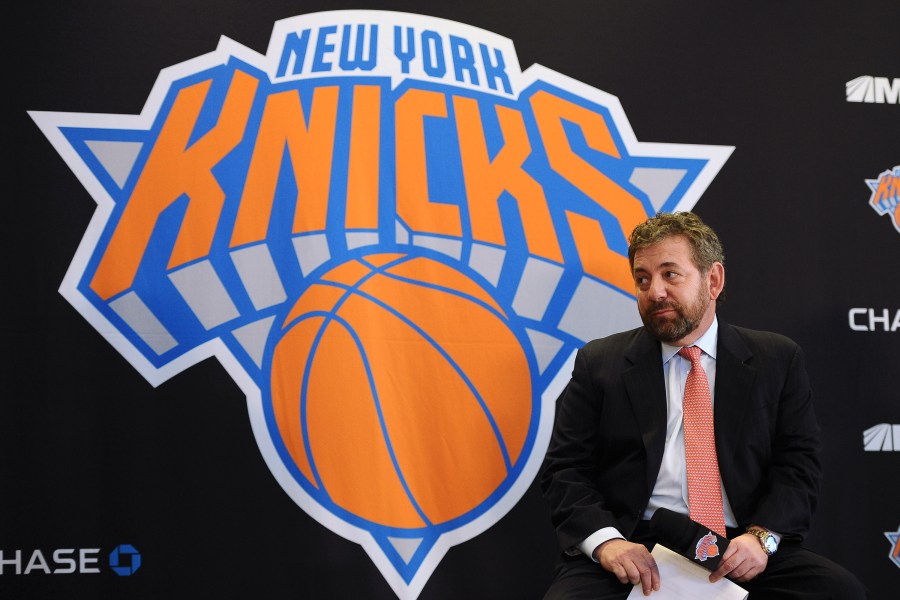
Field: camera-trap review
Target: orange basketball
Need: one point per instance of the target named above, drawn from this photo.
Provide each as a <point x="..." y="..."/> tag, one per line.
<point x="400" y="390"/>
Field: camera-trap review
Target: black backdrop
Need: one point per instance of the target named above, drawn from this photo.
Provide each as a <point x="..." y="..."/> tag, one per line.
<point x="93" y="456"/>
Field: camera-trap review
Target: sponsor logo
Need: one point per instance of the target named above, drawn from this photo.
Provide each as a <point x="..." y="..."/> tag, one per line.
<point x="894" y="553"/>
<point x="123" y="560"/>
<point x="885" y="197"/>
<point x="707" y="547"/>
<point x="873" y="319"/>
<point x="392" y="238"/>
<point x="883" y="437"/>
<point x="874" y="90"/>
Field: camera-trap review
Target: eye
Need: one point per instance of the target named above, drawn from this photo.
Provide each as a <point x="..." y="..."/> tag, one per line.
<point x="671" y="274"/>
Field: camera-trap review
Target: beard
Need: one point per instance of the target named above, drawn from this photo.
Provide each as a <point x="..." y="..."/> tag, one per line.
<point x="687" y="318"/>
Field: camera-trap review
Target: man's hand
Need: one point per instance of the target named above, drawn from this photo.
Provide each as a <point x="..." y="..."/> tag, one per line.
<point x="630" y="563"/>
<point x="743" y="560"/>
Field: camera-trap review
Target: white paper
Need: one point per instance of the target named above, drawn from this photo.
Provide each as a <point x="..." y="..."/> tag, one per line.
<point x="681" y="579"/>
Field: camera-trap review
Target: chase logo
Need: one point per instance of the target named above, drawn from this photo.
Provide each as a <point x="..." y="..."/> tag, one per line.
<point x="392" y="238"/>
<point x="125" y="560"/>
<point x="885" y="197"/>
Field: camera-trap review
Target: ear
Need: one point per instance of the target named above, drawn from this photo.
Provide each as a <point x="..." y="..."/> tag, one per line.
<point x="716" y="279"/>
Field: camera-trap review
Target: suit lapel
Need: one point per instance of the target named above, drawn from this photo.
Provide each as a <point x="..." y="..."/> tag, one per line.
<point x="646" y="389"/>
<point x="734" y="388"/>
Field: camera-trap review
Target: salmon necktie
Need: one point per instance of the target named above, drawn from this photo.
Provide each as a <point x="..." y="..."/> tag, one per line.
<point x="704" y="482"/>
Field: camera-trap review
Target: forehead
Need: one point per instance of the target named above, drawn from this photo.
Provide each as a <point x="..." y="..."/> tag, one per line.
<point x="675" y="250"/>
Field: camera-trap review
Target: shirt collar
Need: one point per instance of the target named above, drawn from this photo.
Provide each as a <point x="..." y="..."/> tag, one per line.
<point x="706" y="342"/>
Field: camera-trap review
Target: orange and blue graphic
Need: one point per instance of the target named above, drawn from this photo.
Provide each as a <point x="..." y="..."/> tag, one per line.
<point x="885" y="197"/>
<point x="707" y="547"/>
<point x="894" y="553"/>
<point x="392" y="238"/>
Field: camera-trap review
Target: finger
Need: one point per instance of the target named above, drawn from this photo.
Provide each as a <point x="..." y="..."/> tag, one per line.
<point x="634" y="574"/>
<point x="729" y="551"/>
<point x="620" y="573"/>
<point x="748" y="575"/>
<point x="642" y="570"/>
<point x="725" y="568"/>
<point x="650" y="577"/>
<point x="646" y="581"/>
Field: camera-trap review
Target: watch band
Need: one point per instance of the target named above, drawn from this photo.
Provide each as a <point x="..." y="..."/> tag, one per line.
<point x="766" y="539"/>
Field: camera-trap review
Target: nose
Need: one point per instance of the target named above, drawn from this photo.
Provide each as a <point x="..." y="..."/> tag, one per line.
<point x="658" y="289"/>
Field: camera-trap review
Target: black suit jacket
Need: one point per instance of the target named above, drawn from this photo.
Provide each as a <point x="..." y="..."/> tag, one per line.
<point x="607" y="443"/>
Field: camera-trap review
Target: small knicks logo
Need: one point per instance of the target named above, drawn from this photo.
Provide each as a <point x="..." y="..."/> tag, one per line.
<point x="894" y="553"/>
<point x="392" y="238"/>
<point x="707" y="547"/>
<point x="885" y="197"/>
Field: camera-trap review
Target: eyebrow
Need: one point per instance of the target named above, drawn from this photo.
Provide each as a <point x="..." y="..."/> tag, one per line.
<point x="667" y="264"/>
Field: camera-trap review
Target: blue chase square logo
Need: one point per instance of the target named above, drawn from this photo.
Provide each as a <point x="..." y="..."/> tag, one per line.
<point x="124" y="560"/>
<point x="393" y="239"/>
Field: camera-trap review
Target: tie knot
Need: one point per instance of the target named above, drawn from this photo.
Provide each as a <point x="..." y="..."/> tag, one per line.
<point x="692" y="353"/>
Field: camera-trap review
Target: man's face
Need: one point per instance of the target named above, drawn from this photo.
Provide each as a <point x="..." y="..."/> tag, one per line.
<point x="674" y="298"/>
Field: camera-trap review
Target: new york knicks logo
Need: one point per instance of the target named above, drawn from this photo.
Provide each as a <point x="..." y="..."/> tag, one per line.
<point x="894" y="553"/>
<point x="707" y="547"/>
<point x="392" y="238"/>
<point x="885" y="197"/>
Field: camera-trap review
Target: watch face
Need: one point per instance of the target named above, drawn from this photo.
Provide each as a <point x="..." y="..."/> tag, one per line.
<point x="771" y="546"/>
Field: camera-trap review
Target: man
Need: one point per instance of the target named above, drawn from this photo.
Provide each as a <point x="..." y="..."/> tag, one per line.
<point x="618" y="446"/>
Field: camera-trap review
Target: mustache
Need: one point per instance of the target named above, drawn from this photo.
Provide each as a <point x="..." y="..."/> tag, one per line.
<point x="663" y="305"/>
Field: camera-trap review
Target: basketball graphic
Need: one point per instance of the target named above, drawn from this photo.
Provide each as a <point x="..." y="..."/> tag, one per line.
<point x="387" y="392"/>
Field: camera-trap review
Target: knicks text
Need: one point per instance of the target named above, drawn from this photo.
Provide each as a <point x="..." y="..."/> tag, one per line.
<point x="299" y="134"/>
